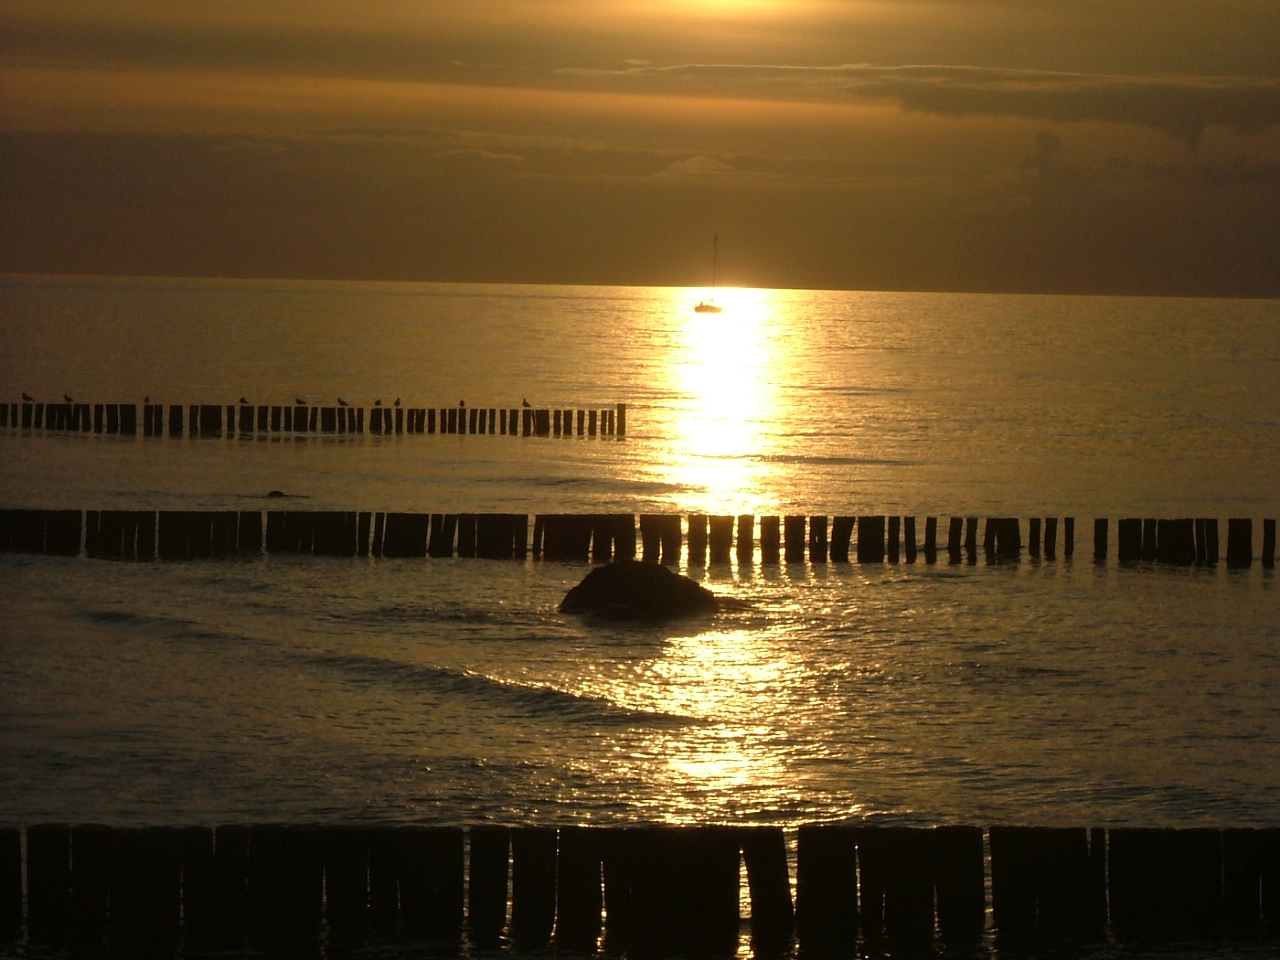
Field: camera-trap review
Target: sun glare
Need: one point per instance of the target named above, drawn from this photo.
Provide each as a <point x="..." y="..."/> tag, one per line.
<point x="723" y="373"/>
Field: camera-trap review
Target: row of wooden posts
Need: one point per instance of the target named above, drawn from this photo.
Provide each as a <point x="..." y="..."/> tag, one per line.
<point x="247" y="420"/>
<point x="600" y="538"/>
<point x="645" y="891"/>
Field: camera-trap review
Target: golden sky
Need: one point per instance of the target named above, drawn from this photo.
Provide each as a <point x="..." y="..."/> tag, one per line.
<point x="1043" y="145"/>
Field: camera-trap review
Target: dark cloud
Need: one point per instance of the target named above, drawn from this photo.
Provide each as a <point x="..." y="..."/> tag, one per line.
<point x="1183" y="107"/>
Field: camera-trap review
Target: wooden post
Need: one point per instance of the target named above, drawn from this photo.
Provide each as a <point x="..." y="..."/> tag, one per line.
<point x="955" y="531"/>
<point x="1131" y="540"/>
<point x="487" y="899"/>
<point x="697" y="540"/>
<point x="533" y="886"/>
<point x="591" y="422"/>
<point x="764" y="852"/>
<point x="650" y="537"/>
<point x="818" y="539"/>
<point x="793" y="528"/>
<point x="1050" y="538"/>
<point x="826" y="889"/>
<point x="1099" y="540"/>
<point x="909" y="538"/>
<point x="721" y="539"/>
<point x="930" y="539"/>
<point x="771" y="540"/>
<point x="48" y="883"/>
<point x="579" y="891"/>
<point x="1269" y="543"/>
<point x="871" y="539"/>
<point x="1150" y="549"/>
<point x="841" y="534"/>
<point x="895" y="527"/>
<point x="1033" y="538"/>
<point x="582" y="422"/>
<point x="622" y="420"/>
<point x="746" y="539"/>
<point x="971" y="538"/>
<point x="1239" y="543"/>
<point x="10" y="875"/>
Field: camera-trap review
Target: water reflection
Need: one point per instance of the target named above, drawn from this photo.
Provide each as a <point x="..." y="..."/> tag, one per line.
<point x="725" y="374"/>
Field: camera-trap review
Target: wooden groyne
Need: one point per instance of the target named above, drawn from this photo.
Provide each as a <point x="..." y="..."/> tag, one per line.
<point x="697" y="540"/>
<point x="642" y="891"/>
<point x="250" y="420"/>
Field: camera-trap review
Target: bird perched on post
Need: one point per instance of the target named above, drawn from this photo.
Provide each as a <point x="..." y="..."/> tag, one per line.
<point x="67" y="399"/>
<point x="27" y="397"/>
<point x="299" y="401"/>
<point x="341" y="402"/>
<point x="378" y="402"/>
<point x="524" y="403"/>
<point x="243" y="401"/>
<point x="462" y="403"/>
<point x="397" y="401"/>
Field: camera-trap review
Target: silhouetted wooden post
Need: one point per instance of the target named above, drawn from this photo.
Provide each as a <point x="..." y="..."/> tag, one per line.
<point x="1033" y="537"/>
<point x="930" y="539"/>
<point x="48" y="883"/>
<point x="487" y="899"/>
<point x="1202" y="543"/>
<point x="582" y="423"/>
<point x="1239" y="543"/>
<point x="764" y="852"/>
<point x="1150" y="548"/>
<point x="1130" y="544"/>
<point x="697" y="540"/>
<point x="955" y="532"/>
<point x="555" y="422"/>
<point x="793" y="534"/>
<point x="841" y="533"/>
<point x="818" y="539"/>
<point x="909" y="538"/>
<point x="113" y="418"/>
<point x="826" y="889"/>
<point x="746" y="539"/>
<point x="533" y="886"/>
<point x="650" y="537"/>
<point x="579" y="893"/>
<point x="621" y="429"/>
<point x="1099" y="540"/>
<point x="959" y="882"/>
<point x="1269" y="543"/>
<point x="971" y="538"/>
<point x="871" y="539"/>
<point x="721" y="540"/>
<point x="1050" y="538"/>
<point x="770" y="539"/>
<point x="895" y="528"/>
<point x="591" y="422"/>
<point x="10" y="875"/>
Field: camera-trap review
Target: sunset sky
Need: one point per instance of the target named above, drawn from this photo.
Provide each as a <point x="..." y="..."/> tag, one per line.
<point x="1108" y="146"/>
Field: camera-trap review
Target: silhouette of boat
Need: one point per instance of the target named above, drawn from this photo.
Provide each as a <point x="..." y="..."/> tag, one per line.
<point x="710" y="306"/>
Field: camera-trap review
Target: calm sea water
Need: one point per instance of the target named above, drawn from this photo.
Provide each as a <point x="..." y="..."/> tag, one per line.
<point x="1061" y="693"/>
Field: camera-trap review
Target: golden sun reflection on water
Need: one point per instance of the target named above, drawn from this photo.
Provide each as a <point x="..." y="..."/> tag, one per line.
<point x="724" y="372"/>
<point x="719" y="679"/>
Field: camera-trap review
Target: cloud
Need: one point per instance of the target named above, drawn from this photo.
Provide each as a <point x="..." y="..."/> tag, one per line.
<point x="1182" y="107"/>
<point x="697" y="168"/>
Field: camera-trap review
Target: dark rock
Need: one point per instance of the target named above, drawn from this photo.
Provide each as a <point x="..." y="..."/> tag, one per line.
<point x="634" y="590"/>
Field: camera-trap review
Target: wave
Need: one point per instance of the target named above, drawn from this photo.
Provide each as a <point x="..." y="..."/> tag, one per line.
<point x="540" y="701"/>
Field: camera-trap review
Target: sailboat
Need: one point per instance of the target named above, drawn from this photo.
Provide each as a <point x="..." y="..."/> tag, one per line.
<point x="710" y="306"/>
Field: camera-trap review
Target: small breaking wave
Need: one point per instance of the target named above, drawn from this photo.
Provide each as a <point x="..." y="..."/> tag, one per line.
<point x="532" y="699"/>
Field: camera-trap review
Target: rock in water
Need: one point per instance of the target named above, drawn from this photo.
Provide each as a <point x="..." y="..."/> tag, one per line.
<point x="633" y="590"/>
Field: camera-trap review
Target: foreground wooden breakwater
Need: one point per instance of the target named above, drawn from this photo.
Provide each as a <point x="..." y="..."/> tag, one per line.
<point x="599" y="538"/>
<point x="639" y="891"/>
<point x="250" y="420"/>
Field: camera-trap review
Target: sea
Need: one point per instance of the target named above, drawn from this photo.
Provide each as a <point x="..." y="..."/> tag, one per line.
<point x="1060" y="692"/>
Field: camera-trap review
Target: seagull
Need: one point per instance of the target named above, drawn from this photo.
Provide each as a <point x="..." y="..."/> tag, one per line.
<point x="243" y="401"/>
<point x="299" y="401"/>
<point x="146" y="399"/>
<point x="397" y="401"/>
<point x="67" y="399"/>
<point x="462" y="403"/>
<point x="341" y="402"/>
<point x="27" y="397"/>
<point x="377" y="403"/>
<point x="524" y="403"/>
